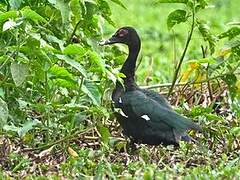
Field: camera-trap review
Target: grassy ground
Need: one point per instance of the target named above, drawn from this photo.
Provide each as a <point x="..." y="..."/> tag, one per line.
<point x="88" y="155"/>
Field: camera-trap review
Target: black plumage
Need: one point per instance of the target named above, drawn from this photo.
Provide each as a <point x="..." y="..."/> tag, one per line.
<point x="146" y="116"/>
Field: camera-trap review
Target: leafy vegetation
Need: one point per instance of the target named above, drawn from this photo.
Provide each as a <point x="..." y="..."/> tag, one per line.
<point x="55" y="86"/>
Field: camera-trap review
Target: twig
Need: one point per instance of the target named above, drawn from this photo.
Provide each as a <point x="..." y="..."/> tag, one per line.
<point x="70" y="137"/>
<point x="184" y="52"/>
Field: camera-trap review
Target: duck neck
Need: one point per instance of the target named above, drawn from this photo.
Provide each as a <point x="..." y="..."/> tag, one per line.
<point x="128" y="68"/>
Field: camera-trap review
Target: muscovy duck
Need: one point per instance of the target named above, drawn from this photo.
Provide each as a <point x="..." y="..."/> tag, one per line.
<point x="146" y="116"/>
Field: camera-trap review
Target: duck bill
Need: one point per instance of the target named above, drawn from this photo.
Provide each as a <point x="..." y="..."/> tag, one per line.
<point x="112" y="40"/>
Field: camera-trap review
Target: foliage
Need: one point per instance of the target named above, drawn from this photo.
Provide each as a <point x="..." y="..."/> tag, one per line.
<point x="55" y="113"/>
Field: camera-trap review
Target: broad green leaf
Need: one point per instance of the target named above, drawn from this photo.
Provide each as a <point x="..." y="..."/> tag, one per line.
<point x="19" y="72"/>
<point x="11" y="128"/>
<point x="176" y="17"/>
<point x="7" y="15"/>
<point x="120" y="3"/>
<point x="26" y="127"/>
<point x="230" y="33"/>
<point x="91" y="90"/>
<point x="74" y="49"/>
<point x="54" y="39"/>
<point x="62" y="77"/>
<point x="63" y="7"/>
<point x="8" y="25"/>
<point x="15" y="4"/>
<point x="60" y="72"/>
<point x="66" y="83"/>
<point x="97" y="61"/>
<point x="76" y="9"/>
<point x="74" y="64"/>
<point x="32" y="15"/>
<point x="3" y="113"/>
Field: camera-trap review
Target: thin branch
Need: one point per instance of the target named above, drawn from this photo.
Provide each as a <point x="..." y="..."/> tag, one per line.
<point x="184" y="53"/>
<point x="70" y="137"/>
<point x="74" y="31"/>
<point x="184" y="83"/>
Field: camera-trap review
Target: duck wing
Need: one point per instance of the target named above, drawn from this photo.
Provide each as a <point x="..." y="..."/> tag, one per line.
<point x="157" y="97"/>
<point x="138" y="104"/>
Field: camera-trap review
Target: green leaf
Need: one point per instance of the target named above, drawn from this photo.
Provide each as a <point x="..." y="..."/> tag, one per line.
<point x="105" y="11"/>
<point x="207" y="35"/>
<point x="32" y="15"/>
<point x="26" y="127"/>
<point x="7" y="15"/>
<point x="76" y="9"/>
<point x="230" y="33"/>
<point x="214" y="117"/>
<point x="62" y="77"/>
<point x="232" y="44"/>
<point x="105" y="134"/>
<point x="15" y="4"/>
<point x="74" y="64"/>
<point x="176" y="17"/>
<point x="119" y="2"/>
<point x="63" y="7"/>
<point x="11" y="128"/>
<point x="19" y="72"/>
<point x="8" y="25"/>
<point x="236" y="131"/>
<point x="231" y="81"/>
<point x="91" y="90"/>
<point x="3" y="113"/>
<point x="99" y="64"/>
<point x="66" y="83"/>
<point x="60" y="72"/>
<point x="74" y="49"/>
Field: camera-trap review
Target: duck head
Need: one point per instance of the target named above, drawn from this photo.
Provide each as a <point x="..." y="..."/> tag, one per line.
<point x="124" y="35"/>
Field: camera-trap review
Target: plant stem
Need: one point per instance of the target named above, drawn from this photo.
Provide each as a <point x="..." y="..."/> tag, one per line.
<point x="74" y="31"/>
<point x="184" y="52"/>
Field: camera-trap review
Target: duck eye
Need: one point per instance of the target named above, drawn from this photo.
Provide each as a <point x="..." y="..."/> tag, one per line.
<point x="122" y="32"/>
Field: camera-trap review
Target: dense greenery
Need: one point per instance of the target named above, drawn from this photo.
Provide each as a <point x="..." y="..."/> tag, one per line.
<point x="55" y="86"/>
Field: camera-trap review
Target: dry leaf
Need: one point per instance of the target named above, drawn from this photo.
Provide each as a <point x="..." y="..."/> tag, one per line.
<point x="72" y="152"/>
